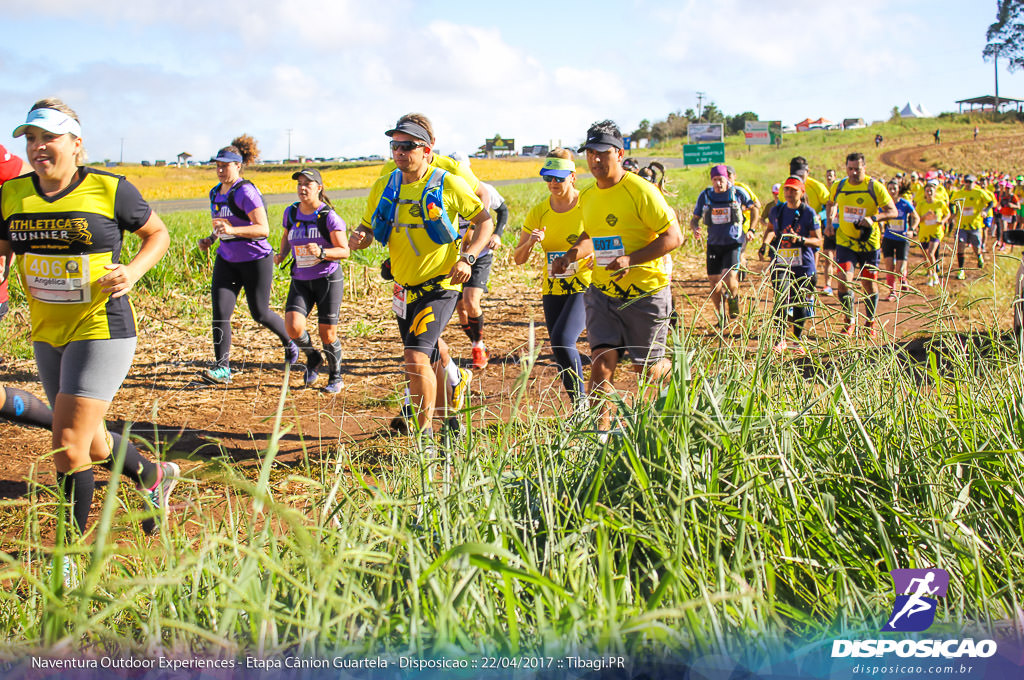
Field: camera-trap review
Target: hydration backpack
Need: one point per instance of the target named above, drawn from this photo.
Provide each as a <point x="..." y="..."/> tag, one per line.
<point x="236" y="209"/>
<point x="438" y="225"/>
<point x="291" y="219"/>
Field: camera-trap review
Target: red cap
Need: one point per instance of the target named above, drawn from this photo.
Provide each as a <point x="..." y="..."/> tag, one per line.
<point x="10" y="165"/>
<point x="794" y="182"/>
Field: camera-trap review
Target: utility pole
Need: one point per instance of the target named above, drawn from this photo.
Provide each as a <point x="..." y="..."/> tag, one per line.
<point x="700" y="103"/>
<point x="289" y="145"/>
<point x="122" y="151"/>
<point x="995" y="64"/>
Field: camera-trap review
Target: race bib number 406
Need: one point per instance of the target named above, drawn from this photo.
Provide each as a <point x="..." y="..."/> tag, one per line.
<point x="606" y="249"/>
<point x="58" y="279"/>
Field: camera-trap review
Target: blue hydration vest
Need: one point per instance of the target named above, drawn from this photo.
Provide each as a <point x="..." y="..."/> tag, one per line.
<point x="439" y="229"/>
<point x="728" y="233"/>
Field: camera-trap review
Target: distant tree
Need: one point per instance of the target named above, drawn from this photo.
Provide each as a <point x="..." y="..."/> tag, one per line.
<point x="712" y="114"/>
<point x="1006" y="36"/>
<point x="248" y="147"/>
<point x="735" y="124"/>
<point x="673" y="126"/>
<point x="643" y="131"/>
<point x="691" y="115"/>
<point x="894" y="115"/>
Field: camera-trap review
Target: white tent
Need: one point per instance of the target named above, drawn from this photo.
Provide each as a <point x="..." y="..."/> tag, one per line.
<point x="911" y="111"/>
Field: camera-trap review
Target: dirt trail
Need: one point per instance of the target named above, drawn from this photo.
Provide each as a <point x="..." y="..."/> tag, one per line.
<point x="912" y="158"/>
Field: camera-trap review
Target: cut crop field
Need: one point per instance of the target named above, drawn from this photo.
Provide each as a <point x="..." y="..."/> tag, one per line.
<point x="751" y="503"/>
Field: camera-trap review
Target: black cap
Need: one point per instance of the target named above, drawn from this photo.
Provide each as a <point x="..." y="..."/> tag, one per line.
<point x="411" y="128"/>
<point x="309" y="173"/>
<point x="602" y="141"/>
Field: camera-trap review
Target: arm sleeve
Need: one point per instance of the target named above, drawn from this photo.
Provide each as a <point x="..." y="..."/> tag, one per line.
<point x="500" y="218"/>
<point x="130" y="210"/>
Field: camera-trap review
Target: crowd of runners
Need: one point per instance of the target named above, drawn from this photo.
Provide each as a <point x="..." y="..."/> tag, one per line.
<point x="605" y="249"/>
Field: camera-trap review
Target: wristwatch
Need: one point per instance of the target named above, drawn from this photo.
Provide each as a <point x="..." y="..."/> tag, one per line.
<point x="470" y="258"/>
<point x="322" y="256"/>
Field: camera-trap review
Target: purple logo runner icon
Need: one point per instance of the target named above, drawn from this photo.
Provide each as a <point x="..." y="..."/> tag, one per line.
<point x="916" y="590"/>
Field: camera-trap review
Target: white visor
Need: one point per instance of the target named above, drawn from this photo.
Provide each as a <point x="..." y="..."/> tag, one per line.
<point x="51" y="120"/>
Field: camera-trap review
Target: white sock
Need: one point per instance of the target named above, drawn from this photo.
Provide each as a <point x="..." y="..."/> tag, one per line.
<point x="407" y="400"/>
<point x="452" y="371"/>
<point x="478" y="343"/>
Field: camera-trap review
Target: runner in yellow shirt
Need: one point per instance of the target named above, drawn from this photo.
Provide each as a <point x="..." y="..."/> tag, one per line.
<point x="411" y="211"/>
<point x="934" y="218"/>
<point x="974" y="203"/>
<point x="856" y="203"/>
<point x="630" y="228"/>
<point x="556" y="224"/>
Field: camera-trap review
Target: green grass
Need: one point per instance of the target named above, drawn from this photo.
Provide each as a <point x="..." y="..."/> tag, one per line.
<point x="753" y="500"/>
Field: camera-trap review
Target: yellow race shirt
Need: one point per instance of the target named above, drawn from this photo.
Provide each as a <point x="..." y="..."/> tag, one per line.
<point x="415" y="258"/>
<point x="932" y="215"/>
<point x="854" y="201"/>
<point x="940" y="194"/>
<point x="561" y="231"/>
<point x="817" y="194"/>
<point x="446" y="163"/>
<point x="622" y="220"/>
<point x="62" y="243"/>
<point x="754" y="198"/>
<point x="973" y="208"/>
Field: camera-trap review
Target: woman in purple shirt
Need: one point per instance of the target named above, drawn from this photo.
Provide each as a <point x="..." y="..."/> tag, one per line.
<point x="243" y="260"/>
<point x="315" y="237"/>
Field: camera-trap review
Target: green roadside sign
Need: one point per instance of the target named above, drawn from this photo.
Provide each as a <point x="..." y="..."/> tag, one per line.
<point x="703" y="154"/>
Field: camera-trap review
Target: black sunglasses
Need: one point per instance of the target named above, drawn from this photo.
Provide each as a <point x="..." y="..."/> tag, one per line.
<point x="405" y="146"/>
<point x="552" y="178"/>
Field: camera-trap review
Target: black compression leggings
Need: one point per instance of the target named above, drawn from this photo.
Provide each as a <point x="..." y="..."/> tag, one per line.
<point x="565" y="317"/>
<point x="229" y="278"/>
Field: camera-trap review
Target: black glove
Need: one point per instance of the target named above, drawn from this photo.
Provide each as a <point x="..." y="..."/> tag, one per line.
<point x="866" y="228"/>
<point x="385" y="270"/>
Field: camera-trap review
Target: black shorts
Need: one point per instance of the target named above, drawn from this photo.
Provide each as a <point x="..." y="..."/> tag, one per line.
<point x="425" y="319"/>
<point x="829" y="243"/>
<point x="896" y="248"/>
<point x="720" y="259"/>
<point x="326" y="293"/>
<point x="867" y="261"/>
<point x="480" y="274"/>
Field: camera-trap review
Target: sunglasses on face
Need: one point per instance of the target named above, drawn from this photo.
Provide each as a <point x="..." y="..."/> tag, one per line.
<point x="405" y="146"/>
<point x="552" y="178"/>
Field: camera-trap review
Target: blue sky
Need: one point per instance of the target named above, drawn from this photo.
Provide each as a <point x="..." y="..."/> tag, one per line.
<point x="178" y="75"/>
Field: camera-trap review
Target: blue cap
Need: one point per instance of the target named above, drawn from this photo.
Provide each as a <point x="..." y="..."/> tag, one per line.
<point x="228" y="157"/>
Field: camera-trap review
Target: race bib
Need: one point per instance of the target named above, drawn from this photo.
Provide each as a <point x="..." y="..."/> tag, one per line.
<point x="968" y="212"/>
<point x="398" y="304"/>
<point x="606" y="249"/>
<point x="790" y="257"/>
<point x="570" y="271"/>
<point x="721" y="216"/>
<point x="306" y="255"/>
<point x="852" y="215"/>
<point x="931" y="221"/>
<point x="58" y="279"/>
<point x="897" y="226"/>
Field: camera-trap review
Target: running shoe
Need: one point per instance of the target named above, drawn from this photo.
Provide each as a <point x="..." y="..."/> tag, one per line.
<point x="827" y="290"/>
<point x="734" y="306"/>
<point x="891" y="298"/>
<point x="872" y="333"/>
<point x="167" y="479"/>
<point x="313" y="364"/>
<point x="461" y="389"/>
<point x="981" y="260"/>
<point x="334" y="385"/>
<point x="400" y="423"/>
<point x="480" y="357"/>
<point x="218" y="375"/>
<point x="960" y="275"/>
<point x="780" y="348"/>
<point x="291" y="353"/>
<point x="849" y="330"/>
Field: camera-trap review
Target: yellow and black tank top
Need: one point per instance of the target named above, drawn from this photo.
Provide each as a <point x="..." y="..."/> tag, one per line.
<point x="62" y="243"/>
